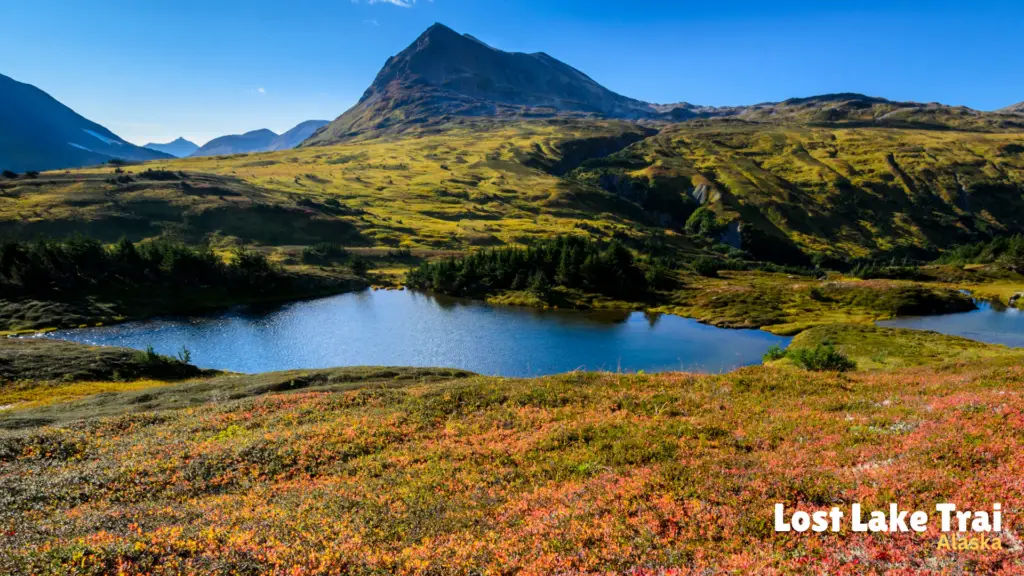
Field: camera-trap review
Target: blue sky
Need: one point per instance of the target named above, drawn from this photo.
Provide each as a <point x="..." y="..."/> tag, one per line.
<point x="155" y="70"/>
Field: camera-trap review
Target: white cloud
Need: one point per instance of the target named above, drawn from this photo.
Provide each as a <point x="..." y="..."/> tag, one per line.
<point x="261" y="90"/>
<point x="372" y="22"/>
<point x="400" y="3"/>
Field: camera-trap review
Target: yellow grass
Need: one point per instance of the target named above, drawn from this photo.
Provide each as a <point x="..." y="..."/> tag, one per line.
<point x="32" y="395"/>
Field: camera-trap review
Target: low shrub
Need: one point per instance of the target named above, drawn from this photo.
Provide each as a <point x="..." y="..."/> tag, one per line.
<point x="705" y="266"/>
<point x="774" y="353"/>
<point x="870" y="271"/>
<point x="821" y="358"/>
<point x="324" y="253"/>
<point x="151" y="174"/>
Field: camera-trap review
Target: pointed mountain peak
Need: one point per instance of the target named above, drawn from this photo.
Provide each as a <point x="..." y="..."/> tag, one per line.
<point x="440" y="32"/>
<point x="443" y="38"/>
<point x="438" y="29"/>
<point x="179" y="147"/>
<point x="444" y="74"/>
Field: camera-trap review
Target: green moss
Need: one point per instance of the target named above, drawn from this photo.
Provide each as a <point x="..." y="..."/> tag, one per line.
<point x="873" y="347"/>
<point x="788" y="304"/>
<point x="36" y="360"/>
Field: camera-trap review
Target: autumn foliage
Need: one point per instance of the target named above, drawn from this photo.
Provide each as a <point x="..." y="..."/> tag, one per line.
<point x="573" y="474"/>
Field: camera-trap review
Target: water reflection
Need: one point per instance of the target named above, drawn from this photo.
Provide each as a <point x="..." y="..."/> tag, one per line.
<point x="403" y="328"/>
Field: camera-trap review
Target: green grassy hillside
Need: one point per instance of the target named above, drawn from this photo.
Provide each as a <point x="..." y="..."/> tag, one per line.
<point x="779" y="191"/>
<point x="473" y="183"/>
<point x="858" y="110"/>
<point x="837" y="191"/>
<point x="873" y="347"/>
<point x="834" y="190"/>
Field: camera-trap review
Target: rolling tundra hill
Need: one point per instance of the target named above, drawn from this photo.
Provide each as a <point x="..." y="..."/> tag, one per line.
<point x="260" y="140"/>
<point x="858" y="110"/>
<point x="835" y="190"/>
<point x="39" y="133"/>
<point x="779" y="192"/>
<point x="471" y="184"/>
<point x="433" y="471"/>
<point x="179" y="148"/>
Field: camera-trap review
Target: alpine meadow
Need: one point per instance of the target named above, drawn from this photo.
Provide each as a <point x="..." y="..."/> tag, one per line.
<point x="879" y="244"/>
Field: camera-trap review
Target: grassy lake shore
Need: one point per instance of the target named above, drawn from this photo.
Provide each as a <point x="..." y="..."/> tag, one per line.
<point x="419" y="471"/>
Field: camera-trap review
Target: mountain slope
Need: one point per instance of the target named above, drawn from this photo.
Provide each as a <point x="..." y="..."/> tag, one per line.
<point x="260" y="140"/>
<point x="39" y="133"/>
<point x="849" y="109"/>
<point x="297" y="135"/>
<point x="470" y="185"/>
<point x="853" y="110"/>
<point x="254" y="141"/>
<point x="179" y="148"/>
<point x="837" y="190"/>
<point x="1017" y="108"/>
<point x="445" y="74"/>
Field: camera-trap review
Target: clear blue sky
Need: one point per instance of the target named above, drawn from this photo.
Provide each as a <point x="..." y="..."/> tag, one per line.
<point x="152" y="70"/>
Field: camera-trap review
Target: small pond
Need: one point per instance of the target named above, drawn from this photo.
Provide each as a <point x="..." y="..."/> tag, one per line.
<point x="992" y="323"/>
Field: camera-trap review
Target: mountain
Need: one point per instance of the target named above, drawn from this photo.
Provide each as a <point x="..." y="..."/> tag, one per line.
<point x="179" y="148"/>
<point x="260" y="140"/>
<point x="444" y="74"/>
<point x="859" y="110"/>
<point x="853" y="110"/>
<point x="39" y="133"/>
<point x="1017" y="108"/>
<point x="255" y="141"/>
<point x="297" y="135"/>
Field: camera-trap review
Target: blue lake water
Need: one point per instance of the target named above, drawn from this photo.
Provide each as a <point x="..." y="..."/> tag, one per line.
<point x="992" y="324"/>
<point x="404" y="328"/>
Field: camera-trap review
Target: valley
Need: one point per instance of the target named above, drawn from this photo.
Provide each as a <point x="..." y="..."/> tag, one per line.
<point x="476" y="184"/>
<point x="496" y="318"/>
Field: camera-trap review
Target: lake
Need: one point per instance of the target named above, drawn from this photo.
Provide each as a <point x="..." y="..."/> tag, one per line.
<point x="990" y="323"/>
<point x="406" y="328"/>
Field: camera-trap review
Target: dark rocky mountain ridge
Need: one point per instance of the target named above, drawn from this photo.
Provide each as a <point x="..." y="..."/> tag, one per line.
<point x="445" y="74"/>
<point x="39" y="133"/>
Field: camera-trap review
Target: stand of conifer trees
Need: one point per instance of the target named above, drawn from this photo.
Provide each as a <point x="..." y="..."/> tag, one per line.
<point x="81" y="266"/>
<point x="1006" y="250"/>
<point x="569" y="261"/>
